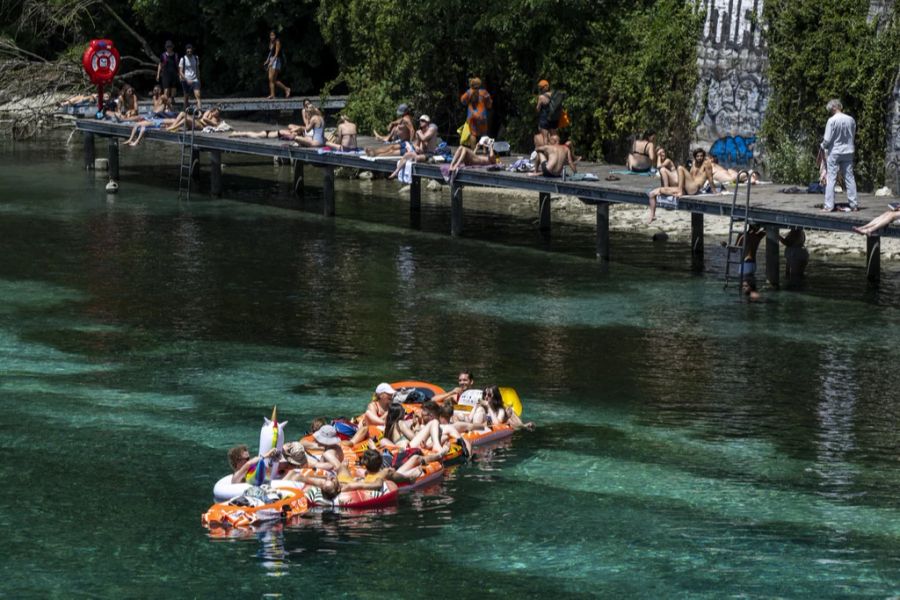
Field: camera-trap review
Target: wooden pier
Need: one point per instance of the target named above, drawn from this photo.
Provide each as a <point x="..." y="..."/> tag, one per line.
<point x="228" y="105"/>
<point x="768" y="207"/>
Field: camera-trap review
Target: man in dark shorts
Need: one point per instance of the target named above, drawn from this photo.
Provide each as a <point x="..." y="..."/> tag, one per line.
<point x="167" y="71"/>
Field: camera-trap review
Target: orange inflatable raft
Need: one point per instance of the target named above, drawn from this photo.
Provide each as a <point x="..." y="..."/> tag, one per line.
<point x="258" y="506"/>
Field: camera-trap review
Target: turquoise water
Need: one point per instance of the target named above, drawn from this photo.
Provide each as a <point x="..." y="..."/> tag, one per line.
<point x="687" y="444"/>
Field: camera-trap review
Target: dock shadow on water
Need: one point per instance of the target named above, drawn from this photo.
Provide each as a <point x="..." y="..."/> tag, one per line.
<point x="687" y="444"/>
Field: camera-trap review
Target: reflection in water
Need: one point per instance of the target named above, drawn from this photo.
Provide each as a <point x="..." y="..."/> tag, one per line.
<point x="835" y="440"/>
<point x="271" y="552"/>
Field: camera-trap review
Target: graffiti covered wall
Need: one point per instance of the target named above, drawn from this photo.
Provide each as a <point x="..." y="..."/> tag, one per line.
<point x="733" y="92"/>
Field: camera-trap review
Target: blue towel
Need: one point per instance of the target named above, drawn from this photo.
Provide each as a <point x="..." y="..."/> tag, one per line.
<point x="640" y="174"/>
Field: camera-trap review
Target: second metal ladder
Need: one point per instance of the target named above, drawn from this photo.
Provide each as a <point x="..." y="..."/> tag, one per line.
<point x="186" y="170"/>
<point x="736" y="248"/>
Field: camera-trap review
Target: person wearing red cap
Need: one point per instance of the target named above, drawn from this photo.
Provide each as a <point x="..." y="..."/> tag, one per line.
<point x="547" y="125"/>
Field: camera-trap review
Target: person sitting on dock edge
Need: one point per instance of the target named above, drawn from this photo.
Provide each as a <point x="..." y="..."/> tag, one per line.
<point x="553" y="158"/>
<point x="344" y="139"/>
<point x="401" y="132"/>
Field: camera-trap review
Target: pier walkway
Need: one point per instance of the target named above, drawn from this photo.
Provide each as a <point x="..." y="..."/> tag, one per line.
<point x="768" y="206"/>
<point x="229" y="105"/>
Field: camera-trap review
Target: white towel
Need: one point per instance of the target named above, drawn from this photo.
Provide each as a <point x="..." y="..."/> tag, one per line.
<point x="405" y="175"/>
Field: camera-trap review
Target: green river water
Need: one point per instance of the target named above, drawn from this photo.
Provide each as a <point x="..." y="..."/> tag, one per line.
<point x="688" y="445"/>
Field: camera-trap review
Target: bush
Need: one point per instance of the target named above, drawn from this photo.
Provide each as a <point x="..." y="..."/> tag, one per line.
<point x="791" y="162"/>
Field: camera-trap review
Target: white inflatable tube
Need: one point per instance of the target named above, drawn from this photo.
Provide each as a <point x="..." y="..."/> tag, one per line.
<point x="224" y="490"/>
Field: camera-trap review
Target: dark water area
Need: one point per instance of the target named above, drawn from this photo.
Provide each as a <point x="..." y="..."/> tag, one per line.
<point x="687" y="444"/>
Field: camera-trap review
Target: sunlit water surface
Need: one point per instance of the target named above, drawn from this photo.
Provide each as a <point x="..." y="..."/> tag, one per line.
<point x="687" y="444"/>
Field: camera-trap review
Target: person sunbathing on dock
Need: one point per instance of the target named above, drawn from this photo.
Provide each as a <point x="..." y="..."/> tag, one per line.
<point x="425" y="143"/>
<point x="344" y="139"/>
<point x="689" y="182"/>
<point x="465" y="157"/>
<point x="553" y="158"/>
<point x="209" y="118"/>
<point x="725" y="175"/>
<point x="141" y="127"/>
<point x="239" y="458"/>
<point x="492" y="411"/>
<point x="314" y="135"/>
<point x="642" y="157"/>
<point x="399" y="139"/>
<point x="878" y="223"/>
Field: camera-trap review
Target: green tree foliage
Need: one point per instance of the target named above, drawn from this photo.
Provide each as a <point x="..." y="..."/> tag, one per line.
<point x="822" y="49"/>
<point x="625" y="65"/>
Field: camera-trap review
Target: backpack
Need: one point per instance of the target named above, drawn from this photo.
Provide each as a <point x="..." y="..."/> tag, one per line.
<point x="554" y="107"/>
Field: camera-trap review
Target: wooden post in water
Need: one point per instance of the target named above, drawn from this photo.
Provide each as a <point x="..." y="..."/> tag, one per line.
<point x="215" y="172"/>
<point x="195" y="164"/>
<point x="873" y="258"/>
<point x="697" y="241"/>
<point x="603" y="231"/>
<point x="297" y="176"/>
<point x="544" y="211"/>
<point x="456" y="209"/>
<point x="88" y="150"/>
<point x="773" y="266"/>
<point x="328" y="190"/>
<point x="112" y="145"/>
<point x="415" y="194"/>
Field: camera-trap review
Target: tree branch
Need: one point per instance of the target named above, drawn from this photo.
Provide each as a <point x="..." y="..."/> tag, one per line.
<point x="144" y="45"/>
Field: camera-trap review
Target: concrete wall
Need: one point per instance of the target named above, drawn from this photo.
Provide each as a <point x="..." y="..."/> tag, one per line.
<point x="733" y="92"/>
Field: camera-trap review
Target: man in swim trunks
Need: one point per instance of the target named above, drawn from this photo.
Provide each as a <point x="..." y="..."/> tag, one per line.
<point x="553" y="158"/>
<point x="400" y="135"/>
<point x="424" y="143"/>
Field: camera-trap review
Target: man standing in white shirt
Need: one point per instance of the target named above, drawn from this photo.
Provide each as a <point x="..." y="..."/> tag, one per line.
<point x="189" y="73"/>
<point x="840" y="132"/>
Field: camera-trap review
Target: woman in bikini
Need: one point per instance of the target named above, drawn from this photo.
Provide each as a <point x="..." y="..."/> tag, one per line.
<point x="642" y="157"/>
<point x="492" y="411"/>
<point x="209" y="118"/>
<point x="128" y="105"/>
<point x="668" y="173"/>
<point x="465" y="157"/>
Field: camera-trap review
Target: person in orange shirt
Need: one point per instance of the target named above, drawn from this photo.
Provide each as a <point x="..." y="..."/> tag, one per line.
<point x="478" y="102"/>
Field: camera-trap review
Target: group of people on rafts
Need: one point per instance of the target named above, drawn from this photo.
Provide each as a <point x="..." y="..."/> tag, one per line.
<point x="389" y="443"/>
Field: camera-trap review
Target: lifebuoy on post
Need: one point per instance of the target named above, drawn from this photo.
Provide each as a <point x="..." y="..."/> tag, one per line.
<point x="101" y="63"/>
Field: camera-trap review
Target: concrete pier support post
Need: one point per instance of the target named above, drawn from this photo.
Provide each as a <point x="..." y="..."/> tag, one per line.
<point x="88" y="150"/>
<point x="297" y="177"/>
<point x="456" y="209"/>
<point x="603" y="231"/>
<point x="215" y="172"/>
<point x="113" y="148"/>
<point x="697" y="248"/>
<point x="544" y="211"/>
<point x="415" y="194"/>
<point x="773" y="265"/>
<point x="873" y="258"/>
<point x="328" y="190"/>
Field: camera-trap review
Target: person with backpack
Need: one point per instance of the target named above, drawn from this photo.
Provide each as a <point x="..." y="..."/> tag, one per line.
<point x="189" y="74"/>
<point x="167" y="71"/>
<point x="549" y="109"/>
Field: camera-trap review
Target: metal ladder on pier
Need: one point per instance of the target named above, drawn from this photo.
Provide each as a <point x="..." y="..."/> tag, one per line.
<point x="736" y="248"/>
<point x="186" y="169"/>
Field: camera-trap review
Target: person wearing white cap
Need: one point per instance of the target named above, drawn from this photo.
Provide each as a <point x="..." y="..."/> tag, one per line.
<point x="376" y="413"/>
<point x="424" y="144"/>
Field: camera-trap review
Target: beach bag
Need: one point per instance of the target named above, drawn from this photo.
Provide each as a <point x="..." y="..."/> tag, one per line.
<point x="555" y="106"/>
<point x="564" y="120"/>
<point x="465" y="134"/>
